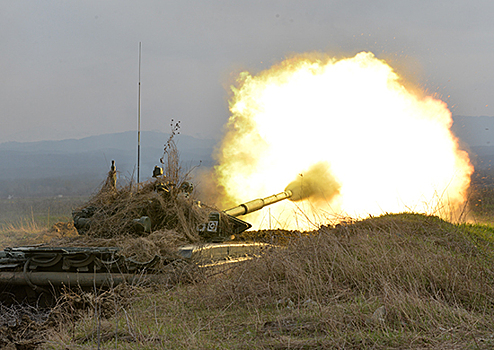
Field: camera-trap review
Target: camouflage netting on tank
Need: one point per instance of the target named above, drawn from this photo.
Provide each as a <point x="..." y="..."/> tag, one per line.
<point x="167" y="200"/>
<point x="114" y="211"/>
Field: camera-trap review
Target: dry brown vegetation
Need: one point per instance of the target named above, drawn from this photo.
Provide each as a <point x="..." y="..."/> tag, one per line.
<point x="162" y="199"/>
<point x="405" y="281"/>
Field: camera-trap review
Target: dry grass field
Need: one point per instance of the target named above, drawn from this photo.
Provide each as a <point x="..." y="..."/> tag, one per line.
<point x="399" y="281"/>
<point x="405" y="281"/>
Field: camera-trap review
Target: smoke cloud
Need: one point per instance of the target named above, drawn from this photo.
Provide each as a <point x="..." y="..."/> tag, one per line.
<point x="355" y="137"/>
<point x="317" y="183"/>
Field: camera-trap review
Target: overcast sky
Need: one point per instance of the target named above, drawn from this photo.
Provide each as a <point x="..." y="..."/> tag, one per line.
<point x="69" y="69"/>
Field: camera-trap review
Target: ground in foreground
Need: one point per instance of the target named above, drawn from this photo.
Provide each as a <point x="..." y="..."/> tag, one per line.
<point x="396" y="281"/>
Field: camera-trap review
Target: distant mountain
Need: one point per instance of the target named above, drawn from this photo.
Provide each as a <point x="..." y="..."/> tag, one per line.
<point x="78" y="166"/>
<point x="87" y="160"/>
<point x="126" y="141"/>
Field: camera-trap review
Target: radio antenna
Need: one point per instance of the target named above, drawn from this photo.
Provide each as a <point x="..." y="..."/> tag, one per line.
<point x="139" y="119"/>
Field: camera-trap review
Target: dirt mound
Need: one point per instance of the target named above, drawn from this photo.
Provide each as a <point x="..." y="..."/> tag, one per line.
<point x="383" y="282"/>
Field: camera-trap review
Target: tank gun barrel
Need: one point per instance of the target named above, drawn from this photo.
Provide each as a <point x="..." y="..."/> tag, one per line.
<point x="257" y="204"/>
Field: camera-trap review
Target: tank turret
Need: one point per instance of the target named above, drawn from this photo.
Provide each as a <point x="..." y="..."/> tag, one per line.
<point x="223" y="225"/>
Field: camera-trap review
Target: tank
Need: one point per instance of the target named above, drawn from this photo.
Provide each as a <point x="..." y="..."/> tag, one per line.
<point x="221" y="229"/>
<point x="27" y="272"/>
<point x="225" y="225"/>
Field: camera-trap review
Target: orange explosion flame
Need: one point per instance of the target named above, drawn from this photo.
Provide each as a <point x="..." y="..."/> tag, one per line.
<point x="348" y="134"/>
